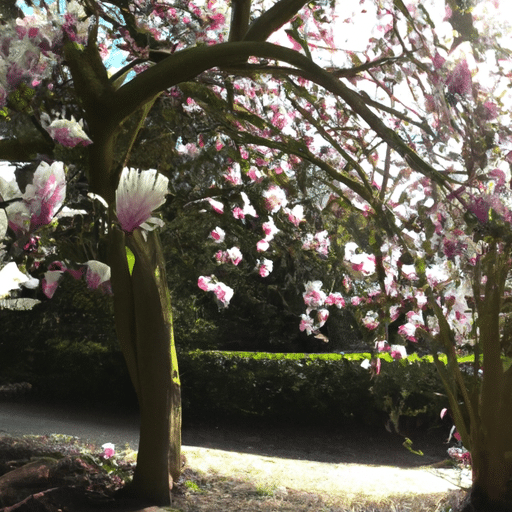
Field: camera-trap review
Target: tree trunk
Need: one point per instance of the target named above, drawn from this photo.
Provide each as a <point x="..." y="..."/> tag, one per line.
<point x="491" y="436"/>
<point x="491" y="474"/>
<point x="144" y="326"/>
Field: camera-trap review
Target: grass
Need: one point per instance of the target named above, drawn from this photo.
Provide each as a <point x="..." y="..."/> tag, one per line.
<point x="232" y="483"/>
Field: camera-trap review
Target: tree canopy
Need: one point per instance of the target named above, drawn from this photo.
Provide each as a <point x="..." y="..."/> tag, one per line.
<point x="397" y="153"/>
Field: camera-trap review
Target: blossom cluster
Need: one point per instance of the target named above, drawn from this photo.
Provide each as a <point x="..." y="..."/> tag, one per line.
<point x="315" y="300"/>
<point x="222" y="292"/>
<point x="184" y="23"/>
<point x="40" y="202"/>
<point x="96" y="273"/>
<point x="318" y="242"/>
<point x="30" y="47"/>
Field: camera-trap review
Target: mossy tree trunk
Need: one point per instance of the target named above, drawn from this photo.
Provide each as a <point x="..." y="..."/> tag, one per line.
<point x="144" y="325"/>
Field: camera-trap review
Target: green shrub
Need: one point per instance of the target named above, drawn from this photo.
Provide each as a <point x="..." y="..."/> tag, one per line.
<point x="298" y="387"/>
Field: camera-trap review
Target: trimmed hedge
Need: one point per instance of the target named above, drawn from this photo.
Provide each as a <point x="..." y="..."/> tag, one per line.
<point x="309" y="388"/>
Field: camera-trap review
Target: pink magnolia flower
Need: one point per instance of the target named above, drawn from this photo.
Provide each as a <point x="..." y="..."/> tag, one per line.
<point x="41" y="199"/>
<point x="223" y="293"/>
<point x="67" y="132"/>
<point x="499" y="177"/>
<point x="319" y="242"/>
<point x="296" y="214"/>
<point x="238" y="213"/>
<point x="137" y="195"/>
<point x="370" y="322"/>
<point x="248" y="208"/>
<point x="217" y="206"/>
<point x="454" y="245"/>
<point x="322" y="315"/>
<point x="46" y="194"/>
<point x="11" y="278"/>
<point x="314" y="297"/>
<point x="306" y="324"/>
<point x="364" y="263"/>
<point x="233" y="175"/>
<point x="205" y="283"/>
<point x="234" y="255"/>
<point x="408" y="331"/>
<point x="398" y="352"/>
<point x="382" y="346"/>
<point x="335" y="299"/>
<point x="264" y="267"/>
<point x="218" y="235"/>
<point x="270" y="229"/>
<point x="51" y="282"/>
<point x="255" y="175"/>
<point x="221" y="257"/>
<point x="97" y="275"/>
<point x="109" y="450"/>
<point x="366" y="364"/>
<point x="438" y="61"/>
<point x="491" y="110"/>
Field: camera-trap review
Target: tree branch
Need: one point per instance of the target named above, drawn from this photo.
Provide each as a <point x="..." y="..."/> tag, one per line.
<point x="240" y="16"/>
<point x="187" y="64"/>
<point x="273" y="19"/>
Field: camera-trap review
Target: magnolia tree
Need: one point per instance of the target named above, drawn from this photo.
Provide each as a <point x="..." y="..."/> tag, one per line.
<point x="408" y="131"/>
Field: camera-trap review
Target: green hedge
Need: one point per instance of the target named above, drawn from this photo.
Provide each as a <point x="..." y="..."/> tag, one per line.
<point x="295" y="388"/>
<point x="306" y="388"/>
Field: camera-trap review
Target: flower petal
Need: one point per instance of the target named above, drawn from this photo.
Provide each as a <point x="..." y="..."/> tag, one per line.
<point x="138" y="194"/>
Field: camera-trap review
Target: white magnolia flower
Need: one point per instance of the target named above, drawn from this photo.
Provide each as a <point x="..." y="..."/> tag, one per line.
<point x="366" y="364"/>
<point x="11" y="278"/>
<point x="138" y="194"/>
<point x="9" y="189"/>
<point x="248" y="209"/>
<point x="275" y="198"/>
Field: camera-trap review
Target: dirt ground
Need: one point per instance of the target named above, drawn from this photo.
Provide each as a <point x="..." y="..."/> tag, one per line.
<point x="255" y="467"/>
<point x="330" y="444"/>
